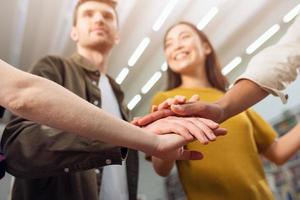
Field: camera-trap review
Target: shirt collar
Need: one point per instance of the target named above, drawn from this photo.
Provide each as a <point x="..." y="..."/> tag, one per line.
<point x="84" y="63"/>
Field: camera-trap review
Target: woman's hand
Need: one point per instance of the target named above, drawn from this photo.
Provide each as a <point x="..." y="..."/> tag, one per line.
<point x="203" y="130"/>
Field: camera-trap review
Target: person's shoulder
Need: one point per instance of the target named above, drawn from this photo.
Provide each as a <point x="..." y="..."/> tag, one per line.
<point x="53" y="58"/>
<point x="49" y="61"/>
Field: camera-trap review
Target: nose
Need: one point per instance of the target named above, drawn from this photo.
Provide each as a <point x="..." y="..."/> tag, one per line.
<point x="177" y="45"/>
<point x="98" y="17"/>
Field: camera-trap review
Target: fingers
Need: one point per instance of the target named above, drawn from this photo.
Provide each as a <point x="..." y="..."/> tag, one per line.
<point x="181" y="130"/>
<point x="220" y="131"/>
<point x="154" y="108"/>
<point x="188" y="155"/>
<point x="211" y="124"/>
<point x="196" y="128"/>
<point x="206" y="110"/>
<point x="143" y="121"/>
<point x="168" y="125"/>
<point x="135" y="121"/>
<point x="180" y="99"/>
<point x="194" y="98"/>
<point x="206" y="131"/>
<point x="172" y="101"/>
<point x="190" y="109"/>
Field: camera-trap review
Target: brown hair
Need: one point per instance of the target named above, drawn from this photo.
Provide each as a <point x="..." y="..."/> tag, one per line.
<point x="111" y="3"/>
<point x="212" y="65"/>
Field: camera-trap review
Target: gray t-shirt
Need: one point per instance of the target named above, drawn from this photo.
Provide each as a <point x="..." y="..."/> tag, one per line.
<point x="114" y="178"/>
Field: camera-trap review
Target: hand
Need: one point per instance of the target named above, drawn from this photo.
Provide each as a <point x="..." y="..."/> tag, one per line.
<point x="170" y="147"/>
<point x="203" y="129"/>
<point x="177" y="100"/>
<point x="211" y="111"/>
<point x="194" y="108"/>
<point x="163" y="110"/>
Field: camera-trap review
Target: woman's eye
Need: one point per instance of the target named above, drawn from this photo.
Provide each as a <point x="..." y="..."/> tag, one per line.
<point x="185" y="36"/>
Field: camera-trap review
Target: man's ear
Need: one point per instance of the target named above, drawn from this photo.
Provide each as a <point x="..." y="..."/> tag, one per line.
<point x="74" y="34"/>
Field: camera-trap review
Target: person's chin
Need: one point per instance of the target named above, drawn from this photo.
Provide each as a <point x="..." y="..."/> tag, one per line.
<point x="183" y="65"/>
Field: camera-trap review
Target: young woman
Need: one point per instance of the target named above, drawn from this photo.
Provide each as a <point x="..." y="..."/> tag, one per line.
<point x="232" y="168"/>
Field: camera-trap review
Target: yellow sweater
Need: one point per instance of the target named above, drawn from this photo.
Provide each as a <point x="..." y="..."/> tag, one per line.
<point x="231" y="168"/>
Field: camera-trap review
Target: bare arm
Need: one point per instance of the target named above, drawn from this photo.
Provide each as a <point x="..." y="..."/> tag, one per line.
<point x="241" y="96"/>
<point x="284" y="147"/>
<point x="162" y="167"/>
<point x="28" y="96"/>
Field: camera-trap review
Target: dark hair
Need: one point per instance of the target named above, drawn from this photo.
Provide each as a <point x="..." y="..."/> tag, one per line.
<point x="111" y="3"/>
<point x="212" y="65"/>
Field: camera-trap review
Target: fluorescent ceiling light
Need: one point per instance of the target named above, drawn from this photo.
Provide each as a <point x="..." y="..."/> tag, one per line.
<point x="164" y="15"/>
<point x="139" y="51"/>
<point x="230" y="66"/>
<point x="151" y="82"/>
<point x="207" y="18"/>
<point x="292" y="14"/>
<point x="134" y="101"/>
<point x="262" y="39"/>
<point x="122" y="75"/>
<point x="164" y="67"/>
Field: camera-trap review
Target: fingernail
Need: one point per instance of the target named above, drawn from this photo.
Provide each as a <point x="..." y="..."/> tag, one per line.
<point x="196" y="156"/>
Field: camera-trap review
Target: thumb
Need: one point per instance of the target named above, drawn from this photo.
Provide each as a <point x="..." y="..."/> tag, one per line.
<point x="194" y="98"/>
<point x="189" y="155"/>
<point x="135" y="121"/>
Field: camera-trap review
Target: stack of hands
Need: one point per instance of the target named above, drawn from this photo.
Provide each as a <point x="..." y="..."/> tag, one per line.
<point x="180" y="116"/>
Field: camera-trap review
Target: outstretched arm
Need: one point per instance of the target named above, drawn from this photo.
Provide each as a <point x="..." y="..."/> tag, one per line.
<point x="29" y="96"/>
<point x="242" y="96"/>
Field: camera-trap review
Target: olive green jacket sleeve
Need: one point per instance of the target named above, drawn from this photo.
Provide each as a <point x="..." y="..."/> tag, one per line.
<point x="33" y="150"/>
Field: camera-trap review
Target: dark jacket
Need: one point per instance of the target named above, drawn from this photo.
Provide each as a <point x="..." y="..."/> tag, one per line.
<point x="55" y="165"/>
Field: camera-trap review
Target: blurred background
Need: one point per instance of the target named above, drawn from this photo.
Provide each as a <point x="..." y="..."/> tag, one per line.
<point x="238" y="29"/>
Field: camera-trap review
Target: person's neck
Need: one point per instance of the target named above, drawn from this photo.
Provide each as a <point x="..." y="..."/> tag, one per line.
<point x="97" y="58"/>
<point x="195" y="79"/>
<point x="194" y="82"/>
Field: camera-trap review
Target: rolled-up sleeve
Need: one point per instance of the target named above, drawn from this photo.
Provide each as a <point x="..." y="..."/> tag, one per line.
<point x="277" y="66"/>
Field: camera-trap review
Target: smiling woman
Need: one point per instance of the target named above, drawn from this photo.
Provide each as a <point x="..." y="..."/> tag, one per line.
<point x="194" y="69"/>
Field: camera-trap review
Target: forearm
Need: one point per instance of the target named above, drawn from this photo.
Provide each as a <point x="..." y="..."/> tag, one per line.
<point x="46" y="102"/>
<point x="67" y="112"/>
<point x="285" y="147"/>
<point x="240" y="97"/>
<point x="162" y="167"/>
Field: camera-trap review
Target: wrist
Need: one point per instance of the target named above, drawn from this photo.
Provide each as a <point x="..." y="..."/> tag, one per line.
<point x="222" y="109"/>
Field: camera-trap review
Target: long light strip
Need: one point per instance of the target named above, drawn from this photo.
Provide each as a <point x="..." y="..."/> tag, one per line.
<point x="134" y="101"/>
<point x="164" y="15"/>
<point x="164" y="67"/>
<point x="292" y="14"/>
<point x="262" y="39"/>
<point x="19" y="26"/>
<point x="207" y="18"/>
<point x="156" y="76"/>
<point x="230" y="66"/>
<point x="139" y="51"/>
<point x="122" y="75"/>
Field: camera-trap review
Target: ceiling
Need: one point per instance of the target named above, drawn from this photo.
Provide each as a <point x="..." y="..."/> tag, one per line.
<point x="31" y="29"/>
